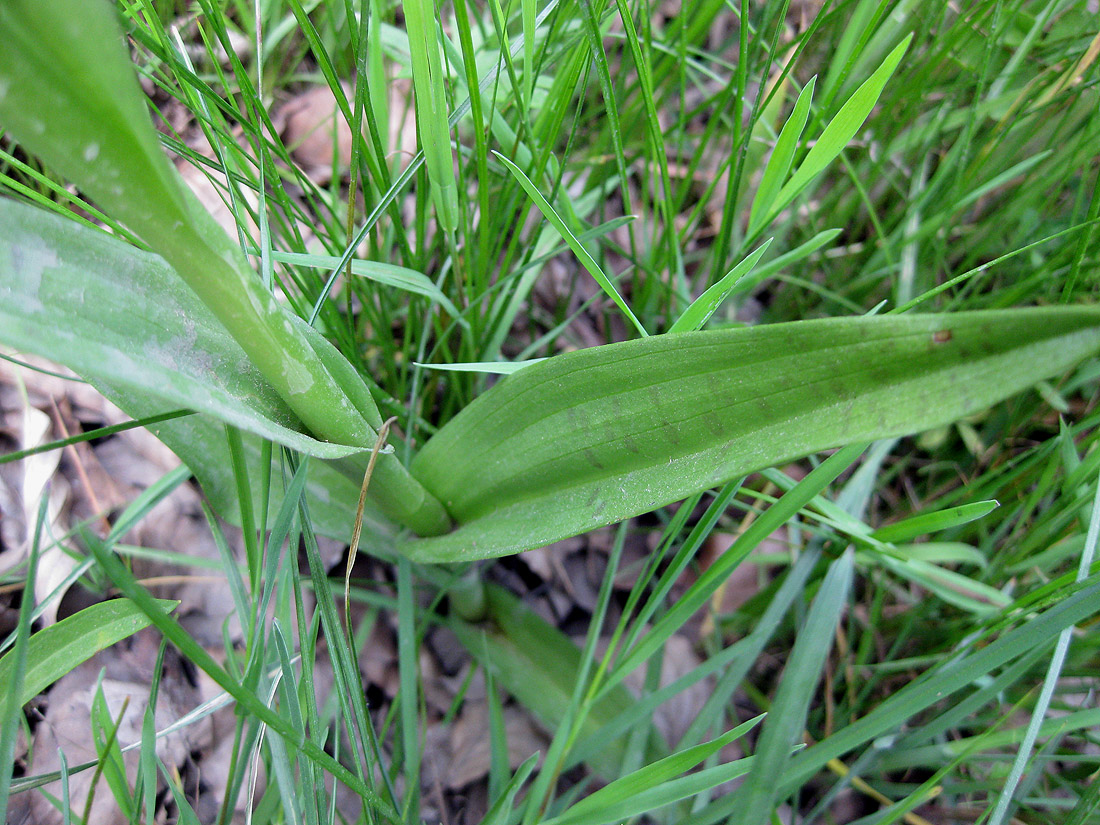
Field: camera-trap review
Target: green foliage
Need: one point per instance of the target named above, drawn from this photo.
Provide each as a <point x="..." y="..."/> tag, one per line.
<point x="593" y="437"/>
<point x="894" y="156"/>
<point x="57" y="649"/>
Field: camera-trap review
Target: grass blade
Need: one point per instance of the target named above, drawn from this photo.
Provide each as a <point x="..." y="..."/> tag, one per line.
<point x="586" y="259"/>
<point x="841" y="129"/>
<point x="431" y="108"/>
<point x="779" y="164"/>
<point x="785" y="722"/>
<point x="696" y="315"/>
<point x="654" y="785"/>
<point x="926" y="523"/>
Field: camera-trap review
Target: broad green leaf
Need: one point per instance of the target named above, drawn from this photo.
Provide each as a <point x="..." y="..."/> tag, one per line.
<point x="122" y="319"/>
<point x="926" y="523"/>
<point x="779" y="164"/>
<point x="696" y="315"/>
<point x="54" y="651"/>
<point x="332" y="487"/>
<point x="841" y="129"/>
<point x="592" y="437"/>
<point x="582" y="254"/>
<point x="112" y="313"/>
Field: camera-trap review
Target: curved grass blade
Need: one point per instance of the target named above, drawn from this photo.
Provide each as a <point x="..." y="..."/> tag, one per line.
<point x="764" y="271"/>
<point x="925" y="523"/>
<point x="592" y="437"/>
<point x="779" y="164"/>
<point x="399" y="277"/>
<point x="586" y="259"/>
<point x="658" y="784"/>
<point x="431" y="108"/>
<point x="696" y="315"/>
<point x="246" y="699"/>
<point x="538" y="665"/>
<point x="491" y="367"/>
<point x="841" y="129"/>
<point x="942" y="681"/>
<point x="787" y="719"/>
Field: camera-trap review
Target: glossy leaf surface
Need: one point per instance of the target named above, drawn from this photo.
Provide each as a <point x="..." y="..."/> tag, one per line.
<point x="114" y="313"/>
<point x="592" y="437"/>
<point x="122" y="319"/>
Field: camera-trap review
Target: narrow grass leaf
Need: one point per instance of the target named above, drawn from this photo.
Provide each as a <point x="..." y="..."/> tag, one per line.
<point x="17" y="666"/>
<point x="501" y="810"/>
<point x="925" y="523"/>
<point x="1050" y="681"/>
<point x="696" y="315"/>
<point x="586" y="259"/>
<point x="91" y="435"/>
<point x="248" y="700"/>
<point x="431" y="108"/>
<point x="944" y="680"/>
<point x="55" y="650"/>
<point x="949" y="585"/>
<point x="408" y="684"/>
<point x="841" y="129"/>
<point x="537" y="664"/>
<point x="111" y="765"/>
<point x="1087" y="804"/>
<point x="800" y="252"/>
<point x="592" y="437"/>
<point x="399" y="277"/>
<point x="620" y="799"/>
<point x="779" y="164"/>
<point x="491" y="367"/>
<point x="944" y="552"/>
<point x="787" y="718"/>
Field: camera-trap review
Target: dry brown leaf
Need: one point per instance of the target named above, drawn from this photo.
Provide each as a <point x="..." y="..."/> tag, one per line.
<point x="457" y="757"/>
<point x="316" y="133"/>
<point x="66" y="724"/>
<point x="41" y="479"/>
